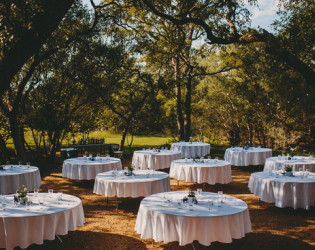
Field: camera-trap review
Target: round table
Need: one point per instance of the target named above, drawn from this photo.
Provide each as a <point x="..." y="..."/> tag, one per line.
<point x="167" y="222"/>
<point x="201" y="171"/>
<point x="81" y="168"/>
<point x="277" y="163"/>
<point x="246" y="157"/>
<point x="13" y="177"/>
<point x="284" y="191"/>
<point x="191" y="149"/>
<point x="145" y="159"/>
<point x="22" y="226"/>
<point x="141" y="184"/>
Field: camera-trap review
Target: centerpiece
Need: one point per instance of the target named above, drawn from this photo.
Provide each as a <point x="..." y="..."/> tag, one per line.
<point x="288" y="170"/>
<point x="22" y="195"/>
<point x="129" y="171"/>
<point x="2" y="168"/>
<point x="191" y="196"/>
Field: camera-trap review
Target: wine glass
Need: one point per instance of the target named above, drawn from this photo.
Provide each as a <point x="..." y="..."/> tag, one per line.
<point x="191" y="203"/>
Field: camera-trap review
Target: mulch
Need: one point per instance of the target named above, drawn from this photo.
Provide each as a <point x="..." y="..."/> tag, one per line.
<point x="108" y="228"/>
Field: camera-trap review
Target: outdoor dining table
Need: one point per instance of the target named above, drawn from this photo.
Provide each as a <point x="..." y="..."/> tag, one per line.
<point x="285" y="191"/>
<point x="202" y="171"/>
<point x="48" y="215"/>
<point x="142" y="183"/>
<point x="164" y="217"/>
<point x="247" y="156"/>
<point x="191" y="149"/>
<point x="152" y="159"/>
<point x="13" y="177"/>
<point x="82" y="168"/>
<point x="297" y="162"/>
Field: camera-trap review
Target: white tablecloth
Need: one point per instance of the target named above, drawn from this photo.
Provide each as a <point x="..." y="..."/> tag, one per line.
<point x="192" y="149"/>
<point x="22" y="227"/>
<point x="165" y="223"/>
<point x="142" y="183"/>
<point x="15" y="176"/>
<point x="209" y="171"/>
<point x="251" y="156"/>
<point x="80" y="169"/>
<point x="277" y="163"/>
<point x="284" y="191"/>
<point x="145" y="159"/>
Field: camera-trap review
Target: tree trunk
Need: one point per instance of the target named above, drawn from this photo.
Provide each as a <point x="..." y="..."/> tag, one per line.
<point x="18" y="140"/>
<point x="4" y="151"/>
<point x="123" y="137"/>
<point x="188" y="106"/>
<point x="179" y="113"/>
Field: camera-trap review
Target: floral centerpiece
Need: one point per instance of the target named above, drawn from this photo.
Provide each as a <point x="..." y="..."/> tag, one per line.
<point x="192" y="195"/>
<point x="129" y="171"/>
<point x="22" y="195"/>
<point x="288" y="170"/>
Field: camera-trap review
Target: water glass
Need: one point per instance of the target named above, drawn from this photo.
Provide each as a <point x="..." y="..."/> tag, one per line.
<point x="199" y="191"/>
<point x="20" y="163"/>
<point x="210" y="204"/>
<point x="50" y="192"/>
<point x="35" y="192"/>
<point x="191" y="203"/>
<point x="179" y="203"/>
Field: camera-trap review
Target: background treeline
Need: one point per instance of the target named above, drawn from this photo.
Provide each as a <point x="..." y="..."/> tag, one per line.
<point x="122" y="69"/>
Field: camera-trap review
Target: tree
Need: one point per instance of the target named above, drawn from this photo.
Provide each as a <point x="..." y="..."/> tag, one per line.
<point x="25" y="27"/>
<point x="224" y="22"/>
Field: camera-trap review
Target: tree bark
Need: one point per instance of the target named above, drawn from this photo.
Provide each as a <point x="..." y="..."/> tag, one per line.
<point x="179" y="113"/>
<point x="187" y="121"/>
<point x="18" y="140"/>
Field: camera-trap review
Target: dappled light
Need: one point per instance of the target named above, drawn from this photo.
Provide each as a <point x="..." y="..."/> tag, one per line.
<point x="111" y="227"/>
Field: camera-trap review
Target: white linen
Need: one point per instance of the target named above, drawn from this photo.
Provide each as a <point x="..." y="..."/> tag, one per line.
<point x="165" y="223"/>
<point x="277" y="163"/>
<point x="145" y="159"/>
<point x="22" y="227"/>
<point x="81" y="169"/>
<point x="191" y="149"/>
<point x="209" y="171"/>
<point x="14" y="177"/>
<point x="246" y="157"/>
<point x="284" y="191"/>
<point x="142" y="183"/>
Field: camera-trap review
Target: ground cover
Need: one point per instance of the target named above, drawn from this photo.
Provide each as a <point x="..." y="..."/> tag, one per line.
<point x="108" y="228"/>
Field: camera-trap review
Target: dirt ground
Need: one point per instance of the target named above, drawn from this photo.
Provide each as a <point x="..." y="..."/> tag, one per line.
<point x="108" y="228"/>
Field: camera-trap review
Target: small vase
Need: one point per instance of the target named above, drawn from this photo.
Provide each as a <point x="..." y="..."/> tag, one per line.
<point x="23" y="200"/>
<point x="288" y="174"/>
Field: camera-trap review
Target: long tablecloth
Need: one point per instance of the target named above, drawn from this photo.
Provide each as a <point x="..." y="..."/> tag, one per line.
<point x="81" y="169"/>
<point x="22" y="226"/>
<point x="284" y="191"/>
<point x="14" y="177"/>
<point x="246" y="157"/>
<point x="164" y="221"/>
<point x="142" y="183"/>
<point x="278" y="163"/>
<point x="148" y="159"/>
<point x="191" y="149"/>
<point x="208" y="171"/>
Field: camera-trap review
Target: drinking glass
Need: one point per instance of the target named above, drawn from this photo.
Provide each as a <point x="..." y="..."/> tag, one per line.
<point x="210" y="204"/>
<point x="179" y="203"/>
<point x="220" y="198"/>
<point x="191" y="203"/>
<point x="35" y="192"/>
<point x="50" y="192"/>
<point x="20" y="163"/>
<point x="199" y="191"/>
